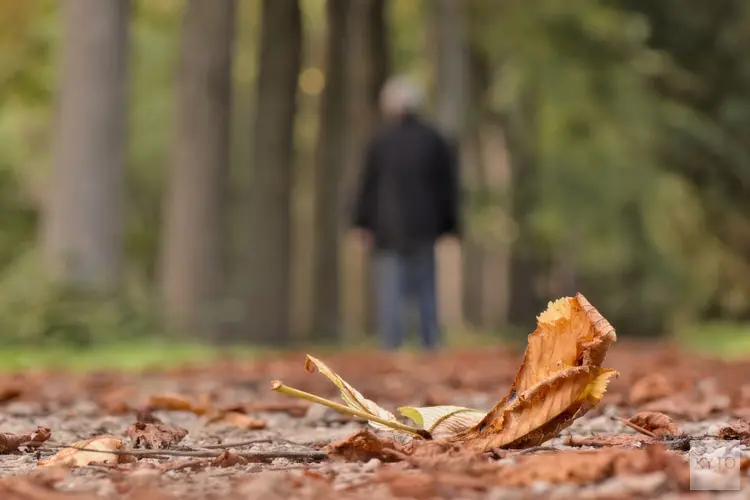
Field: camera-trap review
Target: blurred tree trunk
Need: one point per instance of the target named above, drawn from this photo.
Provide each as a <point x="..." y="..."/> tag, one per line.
<point x="193" y="241"/>
<point x="452" y="106"/>
<point x="329" y="162"/>
<point x="83" y="218"/>
<point x="367" y="70"/>
<point x="529" y="258"/>
<point x="269" y="257"/>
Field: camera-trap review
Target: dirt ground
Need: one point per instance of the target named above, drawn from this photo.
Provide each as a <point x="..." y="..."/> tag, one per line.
<point x="230" y="403"/>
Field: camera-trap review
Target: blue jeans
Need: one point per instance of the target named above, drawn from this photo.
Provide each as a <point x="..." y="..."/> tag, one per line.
<point x="403" y="275"/>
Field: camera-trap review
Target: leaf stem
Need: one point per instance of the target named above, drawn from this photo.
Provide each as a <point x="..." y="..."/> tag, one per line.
<point x="393" y="424"/>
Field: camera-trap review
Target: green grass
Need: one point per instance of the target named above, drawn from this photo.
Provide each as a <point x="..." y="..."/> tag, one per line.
<point x="716" y="339"/>
<point x="134" y="355"/>
<point x="728" y="340"/>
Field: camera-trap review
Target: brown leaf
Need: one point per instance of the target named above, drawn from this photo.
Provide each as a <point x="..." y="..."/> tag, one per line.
<point x="9" y="393"/>
<point x="146" y="416"/>
<point x="237" y="419"/>
<point x="117" y="401"/>
<point x="658" y="423"/>
<point x="737" y="430"/>
<point x="559" y="380"/>
<point x="155" y="436"/>
<point x="228" y="459"/>
<point x="37" y="487"/>
<point x="649" y="388"/>
<point x="586" y="467"/>
<point x="73" y="457"/>
<point x="11" y="442"/>
<point x="170" y="402"/>
<point x="363" y="446"/>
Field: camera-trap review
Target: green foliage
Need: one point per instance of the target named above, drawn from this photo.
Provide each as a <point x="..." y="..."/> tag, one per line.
<point x="34" y="310"/>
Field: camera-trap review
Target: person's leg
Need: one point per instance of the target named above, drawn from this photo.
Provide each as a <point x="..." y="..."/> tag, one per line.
<point x="389" y="293"/>
<point x="426" y="283"/>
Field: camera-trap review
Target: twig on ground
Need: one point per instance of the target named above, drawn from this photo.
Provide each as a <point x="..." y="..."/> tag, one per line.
<point x="225" y="446"/>
<point x="250" y="455"/>
<point x="636" y="428"/>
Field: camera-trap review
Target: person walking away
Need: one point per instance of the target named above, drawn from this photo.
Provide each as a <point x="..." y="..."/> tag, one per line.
<point x="407" y="200"/>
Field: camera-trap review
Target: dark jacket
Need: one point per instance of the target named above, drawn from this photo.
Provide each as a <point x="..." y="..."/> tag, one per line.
<point x="408" y="193"/>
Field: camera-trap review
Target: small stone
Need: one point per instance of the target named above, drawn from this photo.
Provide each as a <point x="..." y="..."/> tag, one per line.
<point x="371" y="466"/>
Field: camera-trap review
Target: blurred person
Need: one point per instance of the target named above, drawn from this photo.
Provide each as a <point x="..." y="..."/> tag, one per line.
<point x="407" y="200"/>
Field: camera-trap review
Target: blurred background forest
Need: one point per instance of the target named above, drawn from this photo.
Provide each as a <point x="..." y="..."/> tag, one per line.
<point x="185" y="167"/>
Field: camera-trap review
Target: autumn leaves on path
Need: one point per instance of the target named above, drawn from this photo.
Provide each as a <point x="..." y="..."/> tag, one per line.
<point x="567" y="425"/>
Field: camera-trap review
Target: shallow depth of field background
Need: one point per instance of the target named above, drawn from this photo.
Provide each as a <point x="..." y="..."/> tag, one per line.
<point x="163" y="198"/>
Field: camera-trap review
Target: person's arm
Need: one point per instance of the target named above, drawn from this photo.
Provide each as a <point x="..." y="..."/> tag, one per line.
<point x="449" y="186"/>
<point x="364" y="206"/>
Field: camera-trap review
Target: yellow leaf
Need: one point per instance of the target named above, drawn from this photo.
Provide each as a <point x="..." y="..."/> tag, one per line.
<point x="350" y="395"/>
<point x="442" y="421"/>
<point x="73" y="457"/>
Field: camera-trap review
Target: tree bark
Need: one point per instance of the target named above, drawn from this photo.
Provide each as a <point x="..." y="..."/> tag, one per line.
<point x="194" y="237"/>
<point x="452" y="101"/>
<point x="269" y="258"/>
<point x="330" y="157"/>
<point x="367" y="70"/>
<point x="83" y="217"/>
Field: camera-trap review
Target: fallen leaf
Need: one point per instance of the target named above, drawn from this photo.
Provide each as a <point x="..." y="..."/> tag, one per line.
<point x="587" y="467"/>
<point x="658" y="423"/>
<point x="441" y="421"/>
<point x="560" y="379"/>
<point x="155" y="436"/>
<point x="9" y="393"/>
<point x="649" y="388"/>
<point x="146" y="416"/>
<point x="37" y="487"/>
<point x="170" y="402"/>
<point x="228" y="459"/>
<point x="349" y="394"/>
<point x="74" y="457"/>
<point x="737" y="430"/>
<point x="363" y="446"/>
<point x="11" y="442"/>
<point x="237" y="419"/>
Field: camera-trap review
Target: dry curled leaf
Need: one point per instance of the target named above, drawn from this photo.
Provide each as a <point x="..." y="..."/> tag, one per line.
<point x="658" y="423"/>
<point x="75" y="457"/>
<point x="363" y="446"/>
<point x="11" y="442"/>
<point x="559" y="380"/>
<point x="155" y="436"/>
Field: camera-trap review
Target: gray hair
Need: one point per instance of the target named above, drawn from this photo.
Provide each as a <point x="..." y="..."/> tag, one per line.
<point x="400" y="95"/>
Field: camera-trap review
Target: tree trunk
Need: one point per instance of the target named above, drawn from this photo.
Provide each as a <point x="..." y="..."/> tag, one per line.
<point x="328" y="172"/>
<point x="451" y="109"/>
<point x="83" y="218"/>
<point x="367" y="70"/>
<point x="193" y="244"/>
<point x="269" y="258"/>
